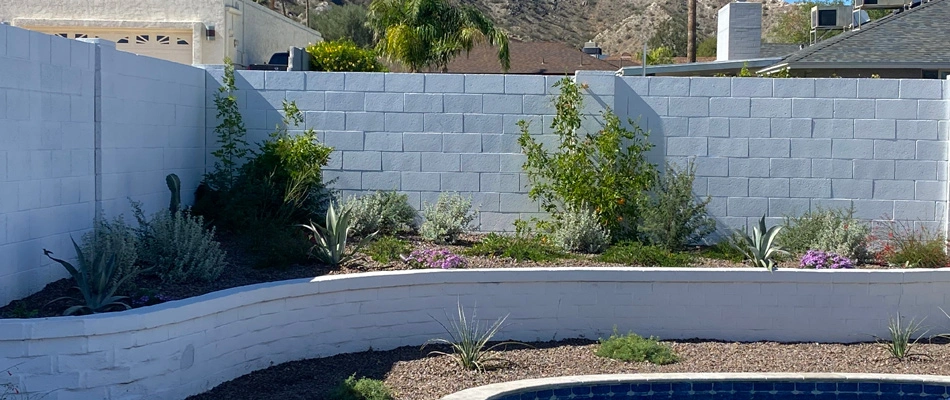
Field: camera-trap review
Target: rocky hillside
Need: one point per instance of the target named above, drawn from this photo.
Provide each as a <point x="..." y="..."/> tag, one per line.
<point x="616" y="25"/>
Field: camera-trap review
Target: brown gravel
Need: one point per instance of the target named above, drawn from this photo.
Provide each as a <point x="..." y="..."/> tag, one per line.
<point x="240" y="273"/>
<point x="414" y="376"/>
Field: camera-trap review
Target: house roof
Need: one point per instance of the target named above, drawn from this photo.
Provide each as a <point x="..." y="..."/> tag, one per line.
<point x="909" y="39"/>
<point x="545" y="58"/>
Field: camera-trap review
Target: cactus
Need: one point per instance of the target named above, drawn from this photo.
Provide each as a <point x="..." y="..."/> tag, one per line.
<point x="174" y="186"/>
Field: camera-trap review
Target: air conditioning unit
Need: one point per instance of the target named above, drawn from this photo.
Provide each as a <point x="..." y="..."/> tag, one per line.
<point x="830" y="17"/>
<point x="879" y="4"/>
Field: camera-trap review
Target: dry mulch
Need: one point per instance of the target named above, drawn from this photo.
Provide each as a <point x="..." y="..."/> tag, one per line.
<point x="414" y="376"/>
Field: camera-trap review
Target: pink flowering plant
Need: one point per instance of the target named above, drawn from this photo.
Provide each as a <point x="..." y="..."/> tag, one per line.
<point x="434" y="258"/>
<point x="818" y="259"/>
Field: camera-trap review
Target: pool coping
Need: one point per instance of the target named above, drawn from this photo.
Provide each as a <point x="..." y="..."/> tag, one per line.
<point x="496" y="390"/>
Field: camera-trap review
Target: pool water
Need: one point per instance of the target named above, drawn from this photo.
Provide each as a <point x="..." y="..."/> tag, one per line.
<point x="738" y="390"/>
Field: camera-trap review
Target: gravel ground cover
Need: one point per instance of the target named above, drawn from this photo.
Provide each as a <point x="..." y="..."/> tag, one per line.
<point x="415" y="376"/>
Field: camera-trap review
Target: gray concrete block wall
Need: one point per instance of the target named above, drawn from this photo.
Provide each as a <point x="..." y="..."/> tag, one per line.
<point x="779" y="147"/>
<point x="46" y="155"/>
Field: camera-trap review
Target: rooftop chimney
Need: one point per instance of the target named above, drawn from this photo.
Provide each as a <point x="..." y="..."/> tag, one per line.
<point x="739" y="35"/>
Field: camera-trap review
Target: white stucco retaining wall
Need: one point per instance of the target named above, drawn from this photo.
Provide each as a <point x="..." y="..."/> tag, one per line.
<point x="185" y="347"/>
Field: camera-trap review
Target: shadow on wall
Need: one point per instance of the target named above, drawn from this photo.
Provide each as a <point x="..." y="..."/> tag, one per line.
<point x="629" y="103"/>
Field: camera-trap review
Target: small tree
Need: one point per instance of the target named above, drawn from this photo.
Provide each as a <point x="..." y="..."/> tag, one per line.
<point x="606" y="170"/>
<point x="344" y="22"/>
<point x="230" y="132"/>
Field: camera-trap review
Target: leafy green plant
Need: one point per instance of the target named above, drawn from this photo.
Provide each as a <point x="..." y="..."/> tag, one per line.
<point x="902" y="245"/>
<point x="606" y="170"/>
<point x="901" y="340"/>
<point x="448" y="218"/>
<point x="114" y="237"/>
<point x="579" y="230"/>
<point x="829" y="230"/>
<point x="330" y="239"/>
<point x="633" y="347"/>
<point x="179" y="248"/>
<point x="344" y="22"/>
<point x="361" y="389"/>
<point x="386" y="212"/>
<point x="635" y="253"/>
<point x="726" y="249"/>
<point x="21" y="310"/>
<point x="230" y="132"/>
<point x="674" y="217"/>
<point x="387" y="249"/>
<point x="761" y="246"/>
<point x="94" y="279"/>
<point x="343" y="55"/>
<point x="469" y="341"/>
<point x="520" y="248"/>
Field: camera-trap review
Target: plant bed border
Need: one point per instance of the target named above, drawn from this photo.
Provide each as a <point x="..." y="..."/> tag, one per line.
<point x="188" y="346"/>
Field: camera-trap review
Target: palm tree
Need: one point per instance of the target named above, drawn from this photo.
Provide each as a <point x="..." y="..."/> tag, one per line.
<point x="430" y="33"/>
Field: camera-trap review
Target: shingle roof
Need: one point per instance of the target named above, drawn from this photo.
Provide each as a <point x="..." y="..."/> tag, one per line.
<point x="917" y="36"/>
<point x="548" y="58"/>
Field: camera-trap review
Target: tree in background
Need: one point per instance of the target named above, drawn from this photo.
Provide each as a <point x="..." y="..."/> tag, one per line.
<point x="344" y="22"/>
<point x="795" y="25"/>
<point x="706" y="47"/>
<point x="657" y="56"/>
<point x="671" y="35"/>
<point x="343" y="55"/>
<point x="430" y="33"/>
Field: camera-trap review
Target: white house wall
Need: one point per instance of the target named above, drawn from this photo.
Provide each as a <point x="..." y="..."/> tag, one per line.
<point x="265" y="34"/>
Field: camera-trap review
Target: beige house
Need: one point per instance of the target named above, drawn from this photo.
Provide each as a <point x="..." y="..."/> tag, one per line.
<point x="185" y="31"/>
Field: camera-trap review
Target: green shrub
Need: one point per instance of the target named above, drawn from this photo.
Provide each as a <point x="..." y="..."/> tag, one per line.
<point x="579" y="230"/>
<point x="520" y="248"/>
<point x="272" y="245"/>
<point x="386" y="212"/>
<point x="343" y="55"/>
<point x="901" y="245"/>
<point x="361" y="389"/>
<point x="330" y="238"/>
<point x="632" y="347"/>
<point x="448" y="218"/>
<point x="387" y="249"/>
<point x="94" y="278"/>
<point x="606" y="170"/>
<point x="829" y="230"/>
<point x="114" y="237"/>
<point x="178" y="248"/>
<point x="725" y="249"/>
<point x="675" y="218"/>
<point x="634" y="253"/>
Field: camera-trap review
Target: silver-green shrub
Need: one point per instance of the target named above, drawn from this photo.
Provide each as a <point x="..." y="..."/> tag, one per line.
<point x="386" y="212"/>
<point x="834" y="230"/>
<point x="579" y="230"/>
<point x="118" y="238"/>
<point x="445" y="220"/>
<point x="179" y="248"/>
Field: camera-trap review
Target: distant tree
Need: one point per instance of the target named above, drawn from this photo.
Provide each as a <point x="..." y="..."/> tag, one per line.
<point x="672" y="35"/>
<point x="430" y="33"/>
<point x="795" y="25"/>
<point x="344" y="22"/>
<point x="657" y="56"/>
<point x="706" y="47"/>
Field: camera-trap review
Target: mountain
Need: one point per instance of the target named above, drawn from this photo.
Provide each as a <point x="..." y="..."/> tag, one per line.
<point x="616" y="25"/>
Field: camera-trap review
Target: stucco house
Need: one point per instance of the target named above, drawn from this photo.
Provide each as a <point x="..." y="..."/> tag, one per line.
<point x="185" y="31"/>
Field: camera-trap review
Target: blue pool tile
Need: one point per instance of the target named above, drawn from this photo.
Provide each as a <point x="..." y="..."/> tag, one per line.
<point x="701" y="396"/>
<point x="805" y="387"/>
<point x="601" y="397"/>
<point x="529" y="396"/>
<point x="868" y="387"/>
<point x="511" y="397"/>
<point x="600" y="389"/>
<point x="545" y="394"/>
<point x="641" y="388"/>
<point x="661" y="387"/>
<point x="890" y="388"/>
<point x="620" y="389"/>
<point x="913" y="389"/>
<point x="744" y="395"/>
<point x="722" y="386"/>
<point x="849" y="387"/>
<point x="580" y="390"/>
<point x="757" y="386"/>
<point x="681" y="387"/>
<point x="722" y="395"/>
<point x="847" y="396"/>
<point x="870" y="396"/>
<point x="784" y="386"/>
<point x="826" y="387"/>
<point x="562" y="392"/>
<point x="826" y="396"/>
<point x="934" y="389"/>
<point x="702" y="386"/>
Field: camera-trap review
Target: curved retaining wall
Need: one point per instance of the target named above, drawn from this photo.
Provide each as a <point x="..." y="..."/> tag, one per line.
<point x="179" y="348"/>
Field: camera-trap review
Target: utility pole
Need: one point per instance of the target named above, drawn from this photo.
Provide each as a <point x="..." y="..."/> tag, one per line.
<point x="691" y="31"/>
<point x="306" y="13"/>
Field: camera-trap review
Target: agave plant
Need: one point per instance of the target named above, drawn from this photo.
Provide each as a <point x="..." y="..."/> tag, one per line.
<point x="469" y="339"/>
<point x="94" y="279"/>
<point x="760" y="247"/>
<point x="330" y="240"/>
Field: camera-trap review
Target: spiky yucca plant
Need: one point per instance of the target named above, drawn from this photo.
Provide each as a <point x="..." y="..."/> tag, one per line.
<point x="94" y="279"/>
<point x="468" y="340"/>
<point x="330" y="240"/>
<point x="760" y="247"/>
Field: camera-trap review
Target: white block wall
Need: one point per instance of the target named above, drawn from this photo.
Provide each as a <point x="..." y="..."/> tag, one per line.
<point x="180" y="348"/>
<point x="151" y="123"/>
<point x="781" y="147"/>
<point x="46" y="154"/>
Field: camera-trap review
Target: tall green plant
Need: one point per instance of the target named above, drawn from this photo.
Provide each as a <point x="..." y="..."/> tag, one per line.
<point x="761" y="246"/>
<point x="606" y="170"/>
<point x="330" y="239"/>
<point x="230" y="132"/>
<point x="675" y="218"/>
<point x="94" y="279"/>
<point x="469" y="341"/>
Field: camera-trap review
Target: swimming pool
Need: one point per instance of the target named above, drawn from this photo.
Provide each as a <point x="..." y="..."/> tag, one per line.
<point x="718" y="387"/>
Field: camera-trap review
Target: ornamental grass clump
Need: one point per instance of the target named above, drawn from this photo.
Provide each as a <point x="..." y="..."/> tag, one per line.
<point x="469" y="341"/>
<point x="903" y="246"/>
<point x="434" y="258"/>
<point x="902" y="338"/>
<point x="817" y="259"/>
<point x="633" y="347"/>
